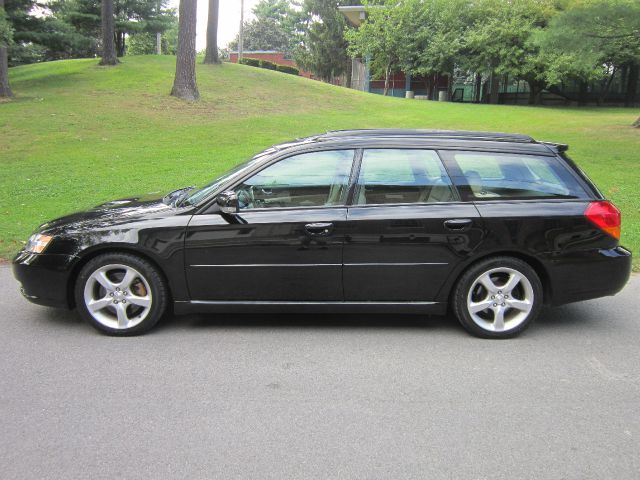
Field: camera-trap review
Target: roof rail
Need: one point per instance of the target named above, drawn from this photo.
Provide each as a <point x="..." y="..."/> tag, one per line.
<point x="460" y="134"/>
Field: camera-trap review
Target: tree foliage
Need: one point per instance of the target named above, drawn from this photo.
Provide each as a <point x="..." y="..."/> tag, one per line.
<point x="592" y="38"/>
<point x="72" y="28"/>
<point x="273" y="27"/>
<point x="543" y="42"/>
<point x="321" y="45"/>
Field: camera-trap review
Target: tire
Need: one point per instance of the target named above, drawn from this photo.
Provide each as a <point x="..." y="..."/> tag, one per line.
<point x="510" y="292"/>
<point x="121" y="294"/>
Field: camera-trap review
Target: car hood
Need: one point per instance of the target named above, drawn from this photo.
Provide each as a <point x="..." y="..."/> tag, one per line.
<point x="117" y="213"/>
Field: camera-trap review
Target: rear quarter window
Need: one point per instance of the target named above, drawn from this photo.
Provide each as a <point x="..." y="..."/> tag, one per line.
<point x="494" y="176"/>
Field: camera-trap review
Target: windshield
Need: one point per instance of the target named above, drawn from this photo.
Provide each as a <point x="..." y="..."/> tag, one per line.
<point x="196" y="196"/>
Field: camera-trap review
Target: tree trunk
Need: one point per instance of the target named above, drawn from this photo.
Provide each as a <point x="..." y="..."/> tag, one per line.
<point x="387" y="73"/>
<point x="605" y="93"/>
<point x="494" y="88"/>
<point x="212" y="33"/>
<point x="158" y="43"/>
<point x="583" y="94"/>
<point x="535" y="92"/>
<point x="478" y="88"/>
<point x="108" y="34"/>
<point x="121" y="46"/>
<point x="184" y="84"/>
<point x="630" y="99"/>
<point x="636" y="123"/>
<point x="5" y="89"/>
<point x="532" y="93"/>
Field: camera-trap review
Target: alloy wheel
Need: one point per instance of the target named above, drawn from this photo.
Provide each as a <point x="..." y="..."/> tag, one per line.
<point x="500" y="299"/>
<point x="117" y="296"/>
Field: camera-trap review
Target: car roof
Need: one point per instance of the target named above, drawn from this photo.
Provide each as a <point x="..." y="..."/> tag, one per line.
<point x="442" y="139"/>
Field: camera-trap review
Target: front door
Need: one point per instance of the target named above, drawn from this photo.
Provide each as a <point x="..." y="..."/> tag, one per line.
<point x="285" y="244"/>
<point x="407" y="230"/>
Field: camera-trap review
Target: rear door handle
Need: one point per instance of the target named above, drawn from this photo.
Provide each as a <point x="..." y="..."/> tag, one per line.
<point x="457" y="224"/>
<point x="318" y="229"/>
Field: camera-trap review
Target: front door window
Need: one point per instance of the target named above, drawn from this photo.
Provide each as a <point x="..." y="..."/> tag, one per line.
<point x="314" y="179"/>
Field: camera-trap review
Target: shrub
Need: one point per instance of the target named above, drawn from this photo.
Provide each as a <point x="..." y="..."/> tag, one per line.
<point x="267" y="64"/>
<point x="287" y="69"/>
<point x="252" y="62"/>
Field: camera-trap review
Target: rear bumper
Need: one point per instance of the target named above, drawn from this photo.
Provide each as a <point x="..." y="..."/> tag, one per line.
<point x="589" y="274"/>
<point x="44" y="278"/>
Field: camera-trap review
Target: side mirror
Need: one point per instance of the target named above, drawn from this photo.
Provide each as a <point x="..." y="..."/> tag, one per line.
<point x="228" y="202"/>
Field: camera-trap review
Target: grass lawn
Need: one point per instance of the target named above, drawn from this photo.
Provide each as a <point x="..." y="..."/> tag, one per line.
<point x="78" y="134"/>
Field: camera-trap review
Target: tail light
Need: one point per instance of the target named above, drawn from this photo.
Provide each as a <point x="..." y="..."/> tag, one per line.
<point x="605" y="216"/>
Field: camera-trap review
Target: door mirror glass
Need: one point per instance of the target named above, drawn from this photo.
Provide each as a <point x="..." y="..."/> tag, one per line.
<point x="228" y="202"/>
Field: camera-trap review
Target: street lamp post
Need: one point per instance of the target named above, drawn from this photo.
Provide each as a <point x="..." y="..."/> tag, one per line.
<point x="241" y="35"/>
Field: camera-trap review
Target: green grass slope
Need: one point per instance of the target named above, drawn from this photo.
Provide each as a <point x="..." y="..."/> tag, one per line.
<point x="79" y="134"/>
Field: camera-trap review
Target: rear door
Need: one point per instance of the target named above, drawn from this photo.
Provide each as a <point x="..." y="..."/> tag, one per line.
<point x="529" y="202"/>
<point x="406" y="227"/>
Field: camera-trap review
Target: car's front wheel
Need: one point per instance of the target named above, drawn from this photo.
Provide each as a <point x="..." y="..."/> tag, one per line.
<point x="121" y="294"/>
<point x="498" y="297"/>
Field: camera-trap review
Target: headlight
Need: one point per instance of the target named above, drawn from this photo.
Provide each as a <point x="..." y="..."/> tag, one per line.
<point x="38" y="242"/>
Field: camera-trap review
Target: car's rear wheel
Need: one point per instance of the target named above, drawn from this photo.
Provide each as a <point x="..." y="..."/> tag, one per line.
<point x="498" y="297"/>
<point x="121" y="294"/>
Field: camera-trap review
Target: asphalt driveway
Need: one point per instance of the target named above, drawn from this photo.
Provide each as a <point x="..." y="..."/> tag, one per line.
<point x="362" y="397"/>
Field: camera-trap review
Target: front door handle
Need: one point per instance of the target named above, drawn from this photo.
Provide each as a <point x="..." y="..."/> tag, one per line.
<point x="318" y="229"/>
<point x="457" y="224"/>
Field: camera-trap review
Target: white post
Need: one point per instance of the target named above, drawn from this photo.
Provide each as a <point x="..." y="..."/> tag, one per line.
<point x="241" y="35"/>
<point x="158" y="36"/>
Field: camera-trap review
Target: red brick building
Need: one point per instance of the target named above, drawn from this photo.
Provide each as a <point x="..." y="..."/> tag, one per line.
<point x="279" y="58"/>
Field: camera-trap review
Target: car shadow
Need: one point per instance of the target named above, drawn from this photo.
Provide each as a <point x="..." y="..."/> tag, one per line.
<point x="551" y="320"/>
<point x="315" y="321"/>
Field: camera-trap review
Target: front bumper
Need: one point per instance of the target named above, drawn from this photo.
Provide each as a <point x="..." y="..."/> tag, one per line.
<point x="44" y="278"/>
<point x="589" y="274"/>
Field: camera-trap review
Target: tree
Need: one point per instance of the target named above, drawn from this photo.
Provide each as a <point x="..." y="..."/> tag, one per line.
<point x="377" y="40"/>
<point x="145" y="43"/>
<point x="184" y="84"/>
<point x="596" y="39"/>
<point x="498" y="43"/>
<point x="46" y="35"/>
<point x="263" y="34"/>
<point x="322" y="48"/>
<point x="211" y="55"/>
<point x="272" y="29"/>
<point x="5" y="39"/>
<point x="108" y="33"/>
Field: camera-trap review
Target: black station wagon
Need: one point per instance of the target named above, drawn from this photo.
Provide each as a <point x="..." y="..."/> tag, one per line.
<point x="493" y="225"/>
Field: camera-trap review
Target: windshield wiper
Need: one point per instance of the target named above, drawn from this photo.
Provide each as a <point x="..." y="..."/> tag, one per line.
<point x="172" y="198"/>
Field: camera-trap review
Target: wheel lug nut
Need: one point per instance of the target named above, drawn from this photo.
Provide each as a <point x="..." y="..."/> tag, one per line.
<point x="111" y="294"/>
<point x="492" y="296"/>
<point x="499" y="291"/>
<point x="126" y="293"/>
<point x="495" y="304"/>
<point x="115" y="301"/>
<point x="124" y="301"/>
<point x="502" y="304"/>
<point x="506" y="296"/>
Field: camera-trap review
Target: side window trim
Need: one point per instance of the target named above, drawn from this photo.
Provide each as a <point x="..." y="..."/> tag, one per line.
<point x="353" y="179"/>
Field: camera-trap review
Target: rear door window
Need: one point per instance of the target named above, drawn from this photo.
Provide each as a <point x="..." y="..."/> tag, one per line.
<point x="493" y="176"/>
<point x="402" y="176"/>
